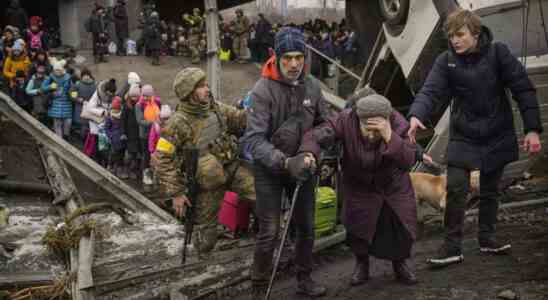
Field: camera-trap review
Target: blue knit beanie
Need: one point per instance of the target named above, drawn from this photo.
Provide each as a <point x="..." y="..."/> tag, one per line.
<point x="288" y="39"/>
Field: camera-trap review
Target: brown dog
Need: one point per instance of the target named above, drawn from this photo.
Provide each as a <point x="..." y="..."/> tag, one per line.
<point x="432" y="189"/>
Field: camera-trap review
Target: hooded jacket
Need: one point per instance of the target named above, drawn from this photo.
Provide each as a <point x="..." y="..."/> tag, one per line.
<point x="482" y="133"/>
<point x="61" y="106"/>
<point x="274" y="101"/>
<point x="99" y="105"/>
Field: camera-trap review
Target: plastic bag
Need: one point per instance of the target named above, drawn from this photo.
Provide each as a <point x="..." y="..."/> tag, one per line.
<point x="112" y="48"/>
<point x="103" y="142"/>
<point x="224" y="55"/>
<point x="131" y="47"/>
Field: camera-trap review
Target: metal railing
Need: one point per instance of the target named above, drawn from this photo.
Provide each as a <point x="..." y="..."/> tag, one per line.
<point x="336" y="63"/>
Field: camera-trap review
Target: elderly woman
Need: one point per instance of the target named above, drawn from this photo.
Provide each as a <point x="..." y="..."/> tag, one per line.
<point x="379" y="210"/>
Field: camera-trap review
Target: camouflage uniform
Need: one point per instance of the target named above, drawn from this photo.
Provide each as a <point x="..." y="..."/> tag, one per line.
<point x="241" y="30"/>
<point x="213" y="130"/>
<point x="196" y="22"/>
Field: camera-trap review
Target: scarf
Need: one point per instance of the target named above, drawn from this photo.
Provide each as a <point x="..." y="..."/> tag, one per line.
<point x="199" y="110"/>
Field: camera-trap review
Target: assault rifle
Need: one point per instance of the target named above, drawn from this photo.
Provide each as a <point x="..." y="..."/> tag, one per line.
<point x="190" y="165"/>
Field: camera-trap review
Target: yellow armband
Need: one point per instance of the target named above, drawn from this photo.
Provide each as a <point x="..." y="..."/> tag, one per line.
<point x="165" y="146"/>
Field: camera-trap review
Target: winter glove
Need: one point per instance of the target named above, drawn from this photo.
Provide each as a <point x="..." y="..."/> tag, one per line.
<point x="301" y="167"/>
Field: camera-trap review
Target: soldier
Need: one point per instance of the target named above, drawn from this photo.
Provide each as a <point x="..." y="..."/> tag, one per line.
<point x="197" y="18"/>
<point x="194" y="37"/>
<point x="241" y="30"/>
<point x="212" y="127"/>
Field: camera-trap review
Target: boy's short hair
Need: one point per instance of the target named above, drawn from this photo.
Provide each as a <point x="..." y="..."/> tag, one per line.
<point x="460" y="18"/>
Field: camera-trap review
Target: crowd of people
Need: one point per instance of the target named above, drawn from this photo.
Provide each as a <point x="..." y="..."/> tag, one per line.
<point x="240" y="39"/>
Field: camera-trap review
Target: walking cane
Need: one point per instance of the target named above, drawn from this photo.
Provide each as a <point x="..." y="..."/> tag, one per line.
<point x="284" y="236"/>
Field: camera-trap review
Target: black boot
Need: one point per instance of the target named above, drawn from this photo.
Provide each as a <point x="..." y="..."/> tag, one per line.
<point x="307" y="286"/>
<point x="361" y="271"/>
<point x="404" y="273"/>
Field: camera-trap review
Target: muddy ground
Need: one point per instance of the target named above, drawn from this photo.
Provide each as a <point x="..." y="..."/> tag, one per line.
<point x="524" y="272"/>
<point x="237" y="79"/>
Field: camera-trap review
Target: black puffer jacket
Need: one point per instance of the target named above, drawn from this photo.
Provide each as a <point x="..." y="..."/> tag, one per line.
<point x="482" y="133"/>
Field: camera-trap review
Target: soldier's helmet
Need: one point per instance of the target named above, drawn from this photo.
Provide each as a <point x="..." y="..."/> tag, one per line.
<point x="186" y="80"/>
<point x="196" y="10"/>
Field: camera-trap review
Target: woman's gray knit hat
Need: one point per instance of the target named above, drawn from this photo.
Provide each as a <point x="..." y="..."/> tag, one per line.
<point x="373" y="106"/>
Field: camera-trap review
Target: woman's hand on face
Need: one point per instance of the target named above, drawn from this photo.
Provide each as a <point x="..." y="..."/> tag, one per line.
<point x="381" y="125"/>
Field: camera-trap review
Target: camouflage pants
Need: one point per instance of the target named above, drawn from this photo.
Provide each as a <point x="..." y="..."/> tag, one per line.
<point x="208" y="204"/>
<point x="240" y="46"/>
<point x="195" y="51"/>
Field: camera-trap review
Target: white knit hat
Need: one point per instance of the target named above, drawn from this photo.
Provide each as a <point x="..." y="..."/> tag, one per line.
<point x="165" y="111"/>
<point x="133" y="78"/>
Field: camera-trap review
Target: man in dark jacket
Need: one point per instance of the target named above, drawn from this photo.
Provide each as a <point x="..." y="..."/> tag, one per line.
<point x="285" y="104"/>
<point x="121" y="24"/>
<point x="153" y="37"/>
<point x="475" y="73"/>
<point x="97" y="25"/>
<point x="264" y="39"/>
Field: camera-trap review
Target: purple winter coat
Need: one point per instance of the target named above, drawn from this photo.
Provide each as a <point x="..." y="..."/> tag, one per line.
<point x="371" y="174"/>
<point x="113" y="128"/>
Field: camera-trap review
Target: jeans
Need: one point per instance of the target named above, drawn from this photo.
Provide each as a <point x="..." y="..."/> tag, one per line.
<point x="62" y="126"/>
<point x="458" y="181"/>
<point x="269" y="189"/>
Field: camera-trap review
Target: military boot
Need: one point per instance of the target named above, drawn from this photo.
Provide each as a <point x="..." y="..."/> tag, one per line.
<point x="308" y="287"/>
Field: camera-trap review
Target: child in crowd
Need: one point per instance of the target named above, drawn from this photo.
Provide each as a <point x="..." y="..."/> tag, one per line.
<point x="39" y="98"/>
<point x="131" y="131"/>
<point x="157" y="127"/>
<point x="147" y="112"/>
<point x="114" y="131"/>
<point x="80" y="93"/>
<point x="58" y="84"/>
<point x="16" y="61"/>
<point x="18" y="91"/>
<point x="36" y="38"/>
<point x="40" y="59"/>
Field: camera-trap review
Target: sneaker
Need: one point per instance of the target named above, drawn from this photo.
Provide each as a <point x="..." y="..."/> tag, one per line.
<point x="492" y="247"/>
<point x="446" y="257"/>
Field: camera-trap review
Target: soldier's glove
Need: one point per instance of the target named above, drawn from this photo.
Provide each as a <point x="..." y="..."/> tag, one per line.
<point x="301" y="167"/>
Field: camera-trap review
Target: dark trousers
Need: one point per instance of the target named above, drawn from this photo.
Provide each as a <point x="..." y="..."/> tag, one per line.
<point x="458" y="184"/>
<point x="269" y="190"/>
<point x="145" y="155"/>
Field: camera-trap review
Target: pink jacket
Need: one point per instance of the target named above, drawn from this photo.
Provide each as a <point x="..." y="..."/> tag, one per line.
<point x="153" y="137"/>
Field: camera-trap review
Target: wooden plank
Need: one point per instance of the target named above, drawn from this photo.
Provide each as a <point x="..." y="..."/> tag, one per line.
<point x="25" y="279"/>
<point x="97" y="174"/>
<point x="28" y="187"/>
<point x="81" y="259"/>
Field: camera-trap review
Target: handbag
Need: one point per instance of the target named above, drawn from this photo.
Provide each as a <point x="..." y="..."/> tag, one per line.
<point x="88" y="115"/>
